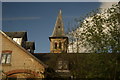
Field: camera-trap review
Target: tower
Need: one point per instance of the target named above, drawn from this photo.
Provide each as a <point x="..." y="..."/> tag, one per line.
<point x="58" y="40"/>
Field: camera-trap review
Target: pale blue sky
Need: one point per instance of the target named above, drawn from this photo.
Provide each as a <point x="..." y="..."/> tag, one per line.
<point x="38" y="18"/>
<point x="0" y="15"/>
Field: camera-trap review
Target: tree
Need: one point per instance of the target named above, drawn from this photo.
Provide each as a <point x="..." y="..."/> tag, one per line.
<point x="100" y="32"/>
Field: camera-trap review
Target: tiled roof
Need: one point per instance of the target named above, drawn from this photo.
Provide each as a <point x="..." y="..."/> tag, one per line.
<point x="59" y="27"/>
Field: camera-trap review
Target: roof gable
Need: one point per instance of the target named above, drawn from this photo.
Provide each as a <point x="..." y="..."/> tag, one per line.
<point x="20" y="47"/>
<point x="17" y="34"/>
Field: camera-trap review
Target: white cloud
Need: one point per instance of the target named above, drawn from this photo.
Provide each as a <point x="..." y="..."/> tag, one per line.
<point x="106" y="5"/>
<point x="108" y="0"/>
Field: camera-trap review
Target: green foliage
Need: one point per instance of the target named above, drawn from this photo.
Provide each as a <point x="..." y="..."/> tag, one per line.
<point x="88" y="65"/>
<point x="100" y="31"/>
<point x="95" y="65"/>
<point x="103" y="31"/>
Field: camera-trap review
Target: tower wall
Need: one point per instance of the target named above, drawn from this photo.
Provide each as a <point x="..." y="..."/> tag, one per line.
<point x="58" y="45"/>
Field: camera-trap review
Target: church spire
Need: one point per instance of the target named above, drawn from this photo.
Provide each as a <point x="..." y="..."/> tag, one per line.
<point x="59" y="27"/>
<point x="58" y="40"/>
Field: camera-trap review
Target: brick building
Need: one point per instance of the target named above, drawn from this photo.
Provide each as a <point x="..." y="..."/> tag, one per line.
<point x="17" y="61"/>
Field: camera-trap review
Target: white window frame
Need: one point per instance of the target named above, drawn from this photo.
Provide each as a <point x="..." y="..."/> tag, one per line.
<point x="6" y="58"/>
<point x="18" y="40"/>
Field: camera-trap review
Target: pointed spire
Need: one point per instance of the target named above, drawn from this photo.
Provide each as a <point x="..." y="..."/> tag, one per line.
<point x="60" y="11"/>
<point x="59" y="27"/>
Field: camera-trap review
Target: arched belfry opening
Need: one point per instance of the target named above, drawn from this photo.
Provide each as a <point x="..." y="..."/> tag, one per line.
<point x="58" y="39"/>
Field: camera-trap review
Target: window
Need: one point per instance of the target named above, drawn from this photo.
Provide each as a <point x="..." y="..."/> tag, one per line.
<point x="6" y="57"/>
<point x="58" y="26"/>
<point x="59" y="64"/>
<point x="55" y="45"/>
<point x="60" y="45"/>
<point x="62" y="65"/>
<point x="65" y="65"/>
<point x="18" y="40"/>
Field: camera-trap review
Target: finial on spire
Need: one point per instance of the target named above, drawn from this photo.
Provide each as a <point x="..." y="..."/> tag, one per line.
<point x="60" y="11"/>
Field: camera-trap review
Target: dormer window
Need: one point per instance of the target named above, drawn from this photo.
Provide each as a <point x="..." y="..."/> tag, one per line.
<point x="18" y="40"/>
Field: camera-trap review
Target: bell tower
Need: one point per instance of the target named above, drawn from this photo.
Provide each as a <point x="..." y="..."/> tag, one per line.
<point x="58" y="40"/>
